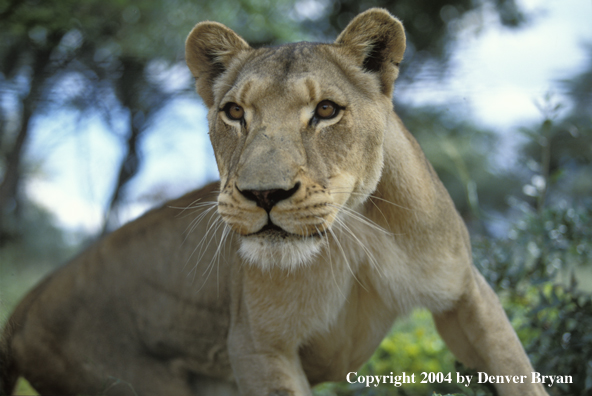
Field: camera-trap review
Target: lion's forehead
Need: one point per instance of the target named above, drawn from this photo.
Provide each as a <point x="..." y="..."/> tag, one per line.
<point x="299" y="73"/>
<point x="287" y="60"/>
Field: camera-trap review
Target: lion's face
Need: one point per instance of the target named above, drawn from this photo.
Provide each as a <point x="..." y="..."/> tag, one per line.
<point x="294" y="143"/>
<point x="297" y="132"/>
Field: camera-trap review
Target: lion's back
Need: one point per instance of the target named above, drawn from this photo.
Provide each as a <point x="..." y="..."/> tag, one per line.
<point x="152" y="289"/>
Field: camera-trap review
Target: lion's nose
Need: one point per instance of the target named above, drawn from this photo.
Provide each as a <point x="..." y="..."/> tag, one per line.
<point x="267" y="199"/>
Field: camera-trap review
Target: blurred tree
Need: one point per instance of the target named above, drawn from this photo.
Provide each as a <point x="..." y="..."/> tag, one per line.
<point x="431" y="26"/>
<point x="108" y="45"/>
<point x="105" y="42"/>
<point x="559" y="151"/>
<point x="543" y="268"/>
<point x="534" y="270"/>
<point x="144" y="99"/>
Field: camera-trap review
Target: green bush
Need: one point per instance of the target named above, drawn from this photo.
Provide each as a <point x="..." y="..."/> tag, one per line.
<point x="412" y="347"/>
<point x="542" y="272"/>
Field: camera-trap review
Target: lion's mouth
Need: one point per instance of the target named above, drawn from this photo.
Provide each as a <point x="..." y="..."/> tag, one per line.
<point x="273" y="230"/>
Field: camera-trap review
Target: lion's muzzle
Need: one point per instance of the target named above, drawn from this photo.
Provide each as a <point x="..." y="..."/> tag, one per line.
<point x="267" y="199"/>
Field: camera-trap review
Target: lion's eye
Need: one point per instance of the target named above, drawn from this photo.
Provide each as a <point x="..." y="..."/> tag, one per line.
<point x="326" y="110"/>
<point x="234" y="111"/>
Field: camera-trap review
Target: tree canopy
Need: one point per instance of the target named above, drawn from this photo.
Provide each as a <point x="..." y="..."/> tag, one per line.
<point x="112" y="58"/>
<point x="104" y="50"/>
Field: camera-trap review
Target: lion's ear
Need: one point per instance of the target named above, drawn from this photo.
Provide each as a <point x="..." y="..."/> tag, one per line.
<point x="376" y="40"/>
<point x="209" y="49"/>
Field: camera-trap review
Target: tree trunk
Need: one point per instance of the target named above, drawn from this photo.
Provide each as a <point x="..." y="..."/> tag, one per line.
<point x="127" y="170"/>
<point x="9" y="187"/>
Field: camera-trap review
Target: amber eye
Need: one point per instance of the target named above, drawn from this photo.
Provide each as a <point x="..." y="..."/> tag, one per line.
<point x="234" y="111"/>
<point x="326" y="110"/>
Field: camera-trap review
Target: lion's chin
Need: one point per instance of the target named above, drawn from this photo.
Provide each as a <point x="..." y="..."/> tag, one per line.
<point x="279" y="251"/>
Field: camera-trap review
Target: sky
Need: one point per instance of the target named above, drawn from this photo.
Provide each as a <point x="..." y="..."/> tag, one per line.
<point x="498" y="74"/>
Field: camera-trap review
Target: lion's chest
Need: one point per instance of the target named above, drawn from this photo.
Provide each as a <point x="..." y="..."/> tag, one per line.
<point x="360" y="326"/>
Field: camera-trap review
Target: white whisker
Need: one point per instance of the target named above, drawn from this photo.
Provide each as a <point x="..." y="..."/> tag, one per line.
<point x="324" y="235"/>
<point x="209" y="268"/>
<point x="338" y="243"/>
<point x="219" y="223"/>
<point x="208" y="236"/>
<point x="195" y="222"/>
<point x="361" y="218"/>
<point x="195" y="204"/>
<point x="371" y="258"/>
<point x="378" y="208"/>
<point x="216" y="258"/>
<point x="371" y="196"/>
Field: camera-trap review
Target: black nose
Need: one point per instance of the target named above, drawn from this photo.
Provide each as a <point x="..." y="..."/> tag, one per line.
<point x="267" y="199"/>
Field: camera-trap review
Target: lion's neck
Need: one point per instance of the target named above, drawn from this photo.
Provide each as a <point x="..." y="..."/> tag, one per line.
<point x="407" y="191"/>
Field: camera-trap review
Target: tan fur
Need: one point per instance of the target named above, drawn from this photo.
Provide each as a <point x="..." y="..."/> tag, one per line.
<point x="199" y="302"/>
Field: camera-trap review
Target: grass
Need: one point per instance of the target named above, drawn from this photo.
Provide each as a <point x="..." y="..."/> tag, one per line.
<point x="18" y="275"/>
<point x="15" y="282"/>
<point x="23" y="388"/>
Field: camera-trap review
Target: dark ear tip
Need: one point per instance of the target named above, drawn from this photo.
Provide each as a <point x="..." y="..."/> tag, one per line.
<point x="375" y="40"/>
<point x="209" y="49"/>
<point x="207" y="40"/>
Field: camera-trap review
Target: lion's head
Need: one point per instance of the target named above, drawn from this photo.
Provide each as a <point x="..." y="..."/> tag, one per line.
<point x="297" y="130"/>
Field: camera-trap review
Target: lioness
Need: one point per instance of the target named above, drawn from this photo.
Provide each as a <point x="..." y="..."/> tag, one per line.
<point x="327" y="224"/>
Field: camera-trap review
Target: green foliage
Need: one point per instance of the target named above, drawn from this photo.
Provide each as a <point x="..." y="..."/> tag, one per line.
<point x="42" y="239"/>
<point x="543" y="268"/>
<point x="559" y="150"/>
<point x="143" y="29"/>
<point x="412" y="347"/>
<point x="530" y="270"/>
<point x="563" y="345"/>
<point x="540" y="247"/>
<point x="23" y="388"/>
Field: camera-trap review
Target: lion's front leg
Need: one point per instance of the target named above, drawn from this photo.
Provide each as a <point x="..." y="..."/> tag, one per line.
<point x="262" y="345"/>
<point x="480" y="335"/>
<point x="268" y="373"/>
